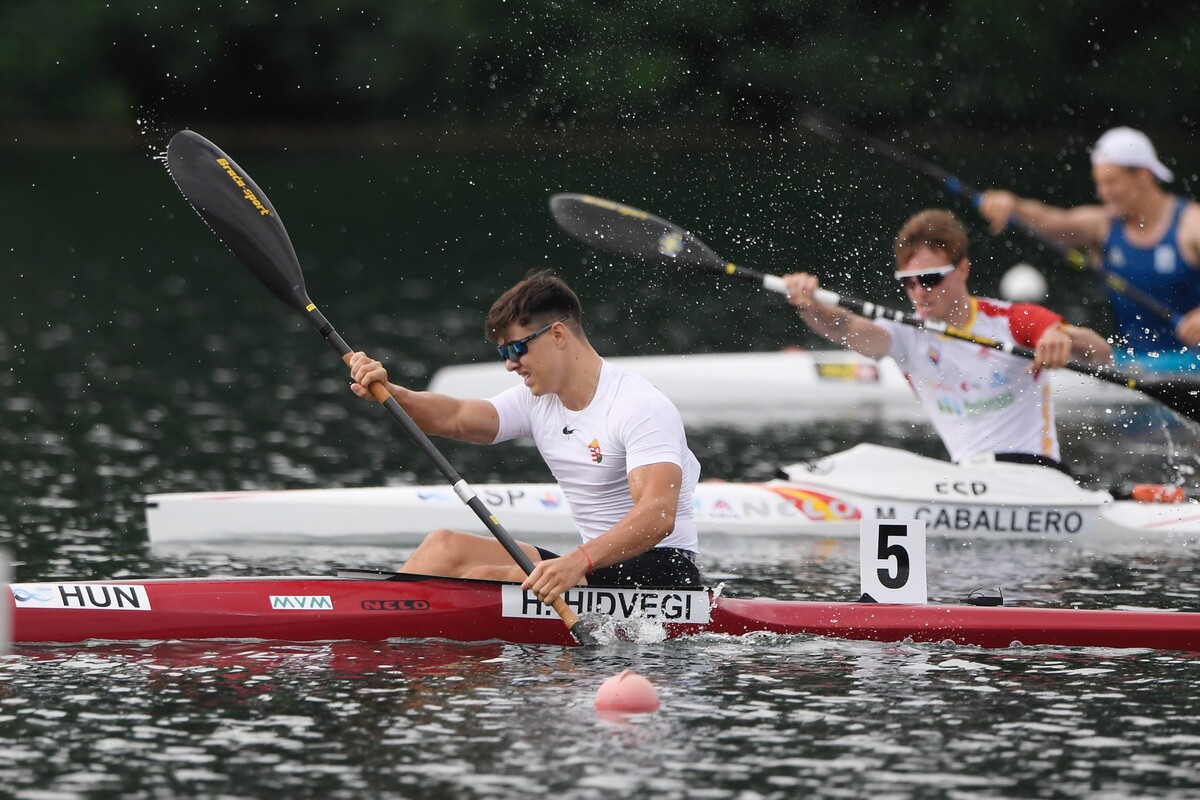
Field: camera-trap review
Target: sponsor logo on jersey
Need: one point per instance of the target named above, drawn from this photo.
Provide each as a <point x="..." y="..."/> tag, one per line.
<point x="1164" y="259"/>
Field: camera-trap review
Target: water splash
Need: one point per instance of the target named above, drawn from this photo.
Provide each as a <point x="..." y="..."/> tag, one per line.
<point x="155" y="133"/>
<point x="639" y="630"/>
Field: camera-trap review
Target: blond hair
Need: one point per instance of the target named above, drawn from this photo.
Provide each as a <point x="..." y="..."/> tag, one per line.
<point x="934" y="228"/>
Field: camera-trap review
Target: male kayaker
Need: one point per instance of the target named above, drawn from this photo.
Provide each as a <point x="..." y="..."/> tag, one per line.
<point x="980" y="400"/>
<point x="614" y="443"/>
<point x="1140" y="232"/>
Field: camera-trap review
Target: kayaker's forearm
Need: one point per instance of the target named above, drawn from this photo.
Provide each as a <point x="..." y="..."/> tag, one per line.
<point x="426" y="408"/>
<point x="436" y="414"/>
<point x="831" y="323"/>
<point x="847" y="329"/>
<point x="645" y="525"/>
<point x="1074" y="227"/>
<point x="1089" y="346"/>
<point x="1035" y="214"/>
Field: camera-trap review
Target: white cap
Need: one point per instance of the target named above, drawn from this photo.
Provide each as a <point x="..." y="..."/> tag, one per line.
<point x="1126" y="147"/>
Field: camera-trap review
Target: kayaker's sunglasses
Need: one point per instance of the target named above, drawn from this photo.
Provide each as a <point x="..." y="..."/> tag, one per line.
<point x="512" y="351"/>
<point x="928" y="278"/>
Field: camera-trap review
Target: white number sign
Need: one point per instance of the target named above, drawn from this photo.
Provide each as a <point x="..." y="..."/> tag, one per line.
<point x="892" y="557"/>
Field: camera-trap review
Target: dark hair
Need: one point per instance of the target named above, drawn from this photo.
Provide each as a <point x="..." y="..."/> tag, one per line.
<point x="539" y="299"/>
<point x="931" y="228"/>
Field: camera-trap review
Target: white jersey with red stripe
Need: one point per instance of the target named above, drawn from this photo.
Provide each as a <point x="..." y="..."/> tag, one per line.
<point x="982" y="400"/>
<point x="628" y="424"/>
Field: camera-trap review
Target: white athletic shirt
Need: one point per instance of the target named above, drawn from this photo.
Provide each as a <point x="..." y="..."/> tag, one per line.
<point x="628" y="424"/>
<point x="981" y="400"/>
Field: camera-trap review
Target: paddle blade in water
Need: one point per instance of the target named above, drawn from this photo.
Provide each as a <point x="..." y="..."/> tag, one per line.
<point x="239" y="212"/>
<point x="630" y="232"/>
<point x="585" y="630"/>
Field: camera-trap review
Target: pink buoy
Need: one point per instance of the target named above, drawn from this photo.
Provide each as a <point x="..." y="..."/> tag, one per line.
<point x="627" y="693"/>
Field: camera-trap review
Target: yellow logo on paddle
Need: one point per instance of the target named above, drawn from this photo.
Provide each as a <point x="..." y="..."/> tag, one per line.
<point x="254" y="201"/>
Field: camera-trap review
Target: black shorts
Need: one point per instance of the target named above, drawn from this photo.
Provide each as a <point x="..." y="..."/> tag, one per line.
<point x="657" y="568"/>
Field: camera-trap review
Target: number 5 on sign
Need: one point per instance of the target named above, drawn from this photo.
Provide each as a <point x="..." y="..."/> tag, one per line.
<point x="892" y="556"/>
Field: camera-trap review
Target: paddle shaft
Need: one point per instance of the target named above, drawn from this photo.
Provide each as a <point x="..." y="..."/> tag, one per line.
<point x="1071" y="255"/>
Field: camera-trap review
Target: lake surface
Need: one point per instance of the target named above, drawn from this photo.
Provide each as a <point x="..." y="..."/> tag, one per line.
<point x="136" y="356"/>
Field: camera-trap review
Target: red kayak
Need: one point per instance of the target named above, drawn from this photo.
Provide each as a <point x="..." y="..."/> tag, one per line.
<point x="371" y="606"/>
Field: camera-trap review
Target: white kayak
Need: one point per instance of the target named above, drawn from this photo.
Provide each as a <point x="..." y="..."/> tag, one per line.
<point x="826" y="497"/>
<point x="732" y="388"/>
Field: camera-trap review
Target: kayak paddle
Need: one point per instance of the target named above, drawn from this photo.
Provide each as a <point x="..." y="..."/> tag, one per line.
<point x="840" y="133"/>
<point x="226" y="198"/>
<point x="631" y="232"/>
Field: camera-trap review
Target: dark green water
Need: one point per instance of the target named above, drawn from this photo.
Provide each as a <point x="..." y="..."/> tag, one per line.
<point x="137" y="356"/>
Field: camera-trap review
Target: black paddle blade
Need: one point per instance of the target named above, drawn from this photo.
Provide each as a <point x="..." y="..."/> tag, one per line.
<point x="586" y="629"/>
<point x="1180" y="393"/>
<point x="239" y="212"/>
<point x="631" y="232"/>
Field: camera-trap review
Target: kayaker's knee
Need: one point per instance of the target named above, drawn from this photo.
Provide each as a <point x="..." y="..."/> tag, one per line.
<point x="450" y="550"/>
<point x="444" y="542"/>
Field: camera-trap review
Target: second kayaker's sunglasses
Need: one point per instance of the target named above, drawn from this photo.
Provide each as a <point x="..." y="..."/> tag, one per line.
<point x="927" y="278"/>
<point x="512" y="351"/>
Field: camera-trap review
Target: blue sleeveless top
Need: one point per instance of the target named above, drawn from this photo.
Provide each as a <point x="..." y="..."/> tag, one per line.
<point x="1161" y="272"/>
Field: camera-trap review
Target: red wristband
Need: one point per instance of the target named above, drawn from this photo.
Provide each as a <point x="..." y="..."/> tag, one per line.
<point x="591" y="566"/>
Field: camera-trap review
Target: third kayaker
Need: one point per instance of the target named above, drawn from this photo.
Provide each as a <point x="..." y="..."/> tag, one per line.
<point x="1139" y="232"/>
